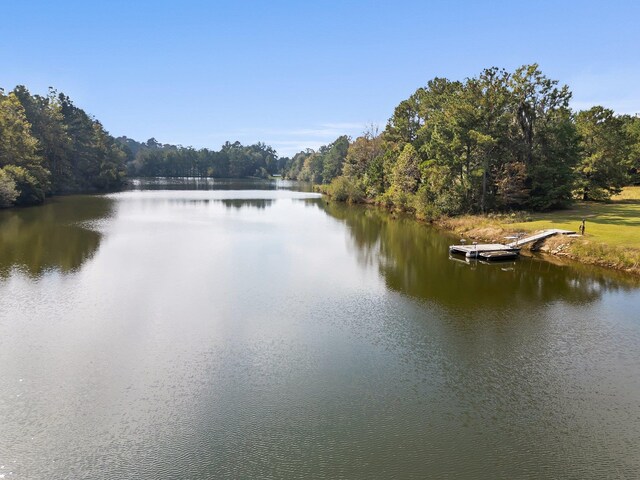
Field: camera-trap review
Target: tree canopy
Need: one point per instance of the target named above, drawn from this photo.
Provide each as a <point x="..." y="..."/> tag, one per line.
<point x="498" y="141"/>
<point x="234" y="160"/>
<point x="48" y="146"/>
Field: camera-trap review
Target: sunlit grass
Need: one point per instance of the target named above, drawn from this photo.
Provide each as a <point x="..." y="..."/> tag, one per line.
<point x="629" y="193"/>
<point x="614" y="223"/>
<point x="612" y="235"/>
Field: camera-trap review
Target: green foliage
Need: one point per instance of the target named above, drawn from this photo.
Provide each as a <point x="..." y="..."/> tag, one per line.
<point x="364" y="162"/>
<point x="234" y="160"/>
<point x="312" y="168"/>
<point x="512" y="192"/>
<point x="30" y="190"/>
<point x="49" y="128"/>
<point x="55" y="147"/>
<point x="293" y="166"/>
<point x="333" y="159"/>
<point x="17" y="145"/>
<point x="424" y="205"/>
<point x="321" y="166"/>
<point x="632" y="128"/>
<point x="556" y="155"/>
<point x="8" y="190"/>
<point x="606" y="146"/>
<point x="19" y="157"/>
<point x="498" y="141"/>
<point x="405" y="174"/>
<point x="96" y="160"/>
<point x="343" y="189"/>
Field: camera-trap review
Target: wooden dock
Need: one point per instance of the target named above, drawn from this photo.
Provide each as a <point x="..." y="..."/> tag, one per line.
<point x="499" y="251"/>
<point x="500" y="255"/>
<point x="539" y="236"/>
<point x="474" y="251"/>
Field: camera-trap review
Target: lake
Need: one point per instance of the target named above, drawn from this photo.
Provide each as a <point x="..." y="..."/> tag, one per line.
<point x="218" y="329"/>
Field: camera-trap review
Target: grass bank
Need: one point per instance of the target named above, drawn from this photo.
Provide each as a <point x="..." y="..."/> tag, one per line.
<point x="612" y="234"/>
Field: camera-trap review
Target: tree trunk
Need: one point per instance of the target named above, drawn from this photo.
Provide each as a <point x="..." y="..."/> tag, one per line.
<point x="484" y="186"/>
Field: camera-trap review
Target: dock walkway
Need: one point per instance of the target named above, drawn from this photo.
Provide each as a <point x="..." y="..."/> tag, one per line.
<point x="539" y="236"/>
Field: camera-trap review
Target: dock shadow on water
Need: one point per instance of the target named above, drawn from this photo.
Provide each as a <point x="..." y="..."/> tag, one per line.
<point x="60" y="235"/>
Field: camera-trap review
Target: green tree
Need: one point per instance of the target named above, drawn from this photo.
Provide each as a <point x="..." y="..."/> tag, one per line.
<point x="110" y="159"/>
<point x="8" y="190"/>
<point x="632" y="127"/>
<point x="19" y="152"/>
<point x="499" y="140"/>
<point x="405" y="176"/>
<point x="96" y="160"/>
<point x="404" y="124"/>
<point x="470" y="133"/>
<point x="293" y="167"/>
<point x="312" y="167"/>
<point x="606" y="148"/>
<point x="364" y="162"/>
<point x="333" y="158"/>
<point x="47" y="126"/>
<point x="30" y="190"/>
<point x="545" y="140"/>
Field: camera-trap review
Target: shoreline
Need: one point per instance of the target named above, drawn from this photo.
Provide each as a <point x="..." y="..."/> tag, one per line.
<point x="492" y="228"/>
<point x="581" y="250"/>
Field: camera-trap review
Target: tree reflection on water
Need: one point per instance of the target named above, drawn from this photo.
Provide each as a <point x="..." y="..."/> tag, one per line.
<point x="413" y="259"/>
<point x="60" y="235"/>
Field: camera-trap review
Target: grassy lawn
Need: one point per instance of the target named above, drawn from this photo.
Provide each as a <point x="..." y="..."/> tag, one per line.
<point x="612" y="234"/>
<point x="614" y="223"/>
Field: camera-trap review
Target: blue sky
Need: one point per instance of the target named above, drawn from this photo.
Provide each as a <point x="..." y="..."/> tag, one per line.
<point x="297" y="74"/>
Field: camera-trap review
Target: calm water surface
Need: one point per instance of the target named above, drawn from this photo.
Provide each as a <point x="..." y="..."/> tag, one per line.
<point x="224" y="330"/>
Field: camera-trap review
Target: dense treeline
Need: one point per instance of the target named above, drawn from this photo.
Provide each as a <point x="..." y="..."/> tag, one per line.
<point x="497" y="141"/>
<point x="318" y="167"/>
<point x="49" y="146"/>
<point x="152" y="159"/>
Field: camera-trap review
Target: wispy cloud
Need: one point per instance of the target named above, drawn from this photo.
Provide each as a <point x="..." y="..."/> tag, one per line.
<point x="291" y="147"/>
<point x="320" y="130"/>
<point x="345" y="125"/>
<point x="289" y="141"/>
<point x="618" y="90"/>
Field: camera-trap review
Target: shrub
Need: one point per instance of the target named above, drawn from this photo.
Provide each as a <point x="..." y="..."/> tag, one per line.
<point x="424" y="206"/>
<point x="343" y="189"/>
<point x="8" y="191"/>
<point x="29" y="190"/>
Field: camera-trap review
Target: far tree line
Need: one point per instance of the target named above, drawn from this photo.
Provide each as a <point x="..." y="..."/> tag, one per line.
<point x="498" y="141"/>
<point x="49" y="146"/>
<point x="234" y="160"/>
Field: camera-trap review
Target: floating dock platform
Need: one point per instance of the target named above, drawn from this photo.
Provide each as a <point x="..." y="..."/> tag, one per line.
<point x="485" y="251"/>
<point x="498" y="251"/>
<point x="501" y="255"/>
